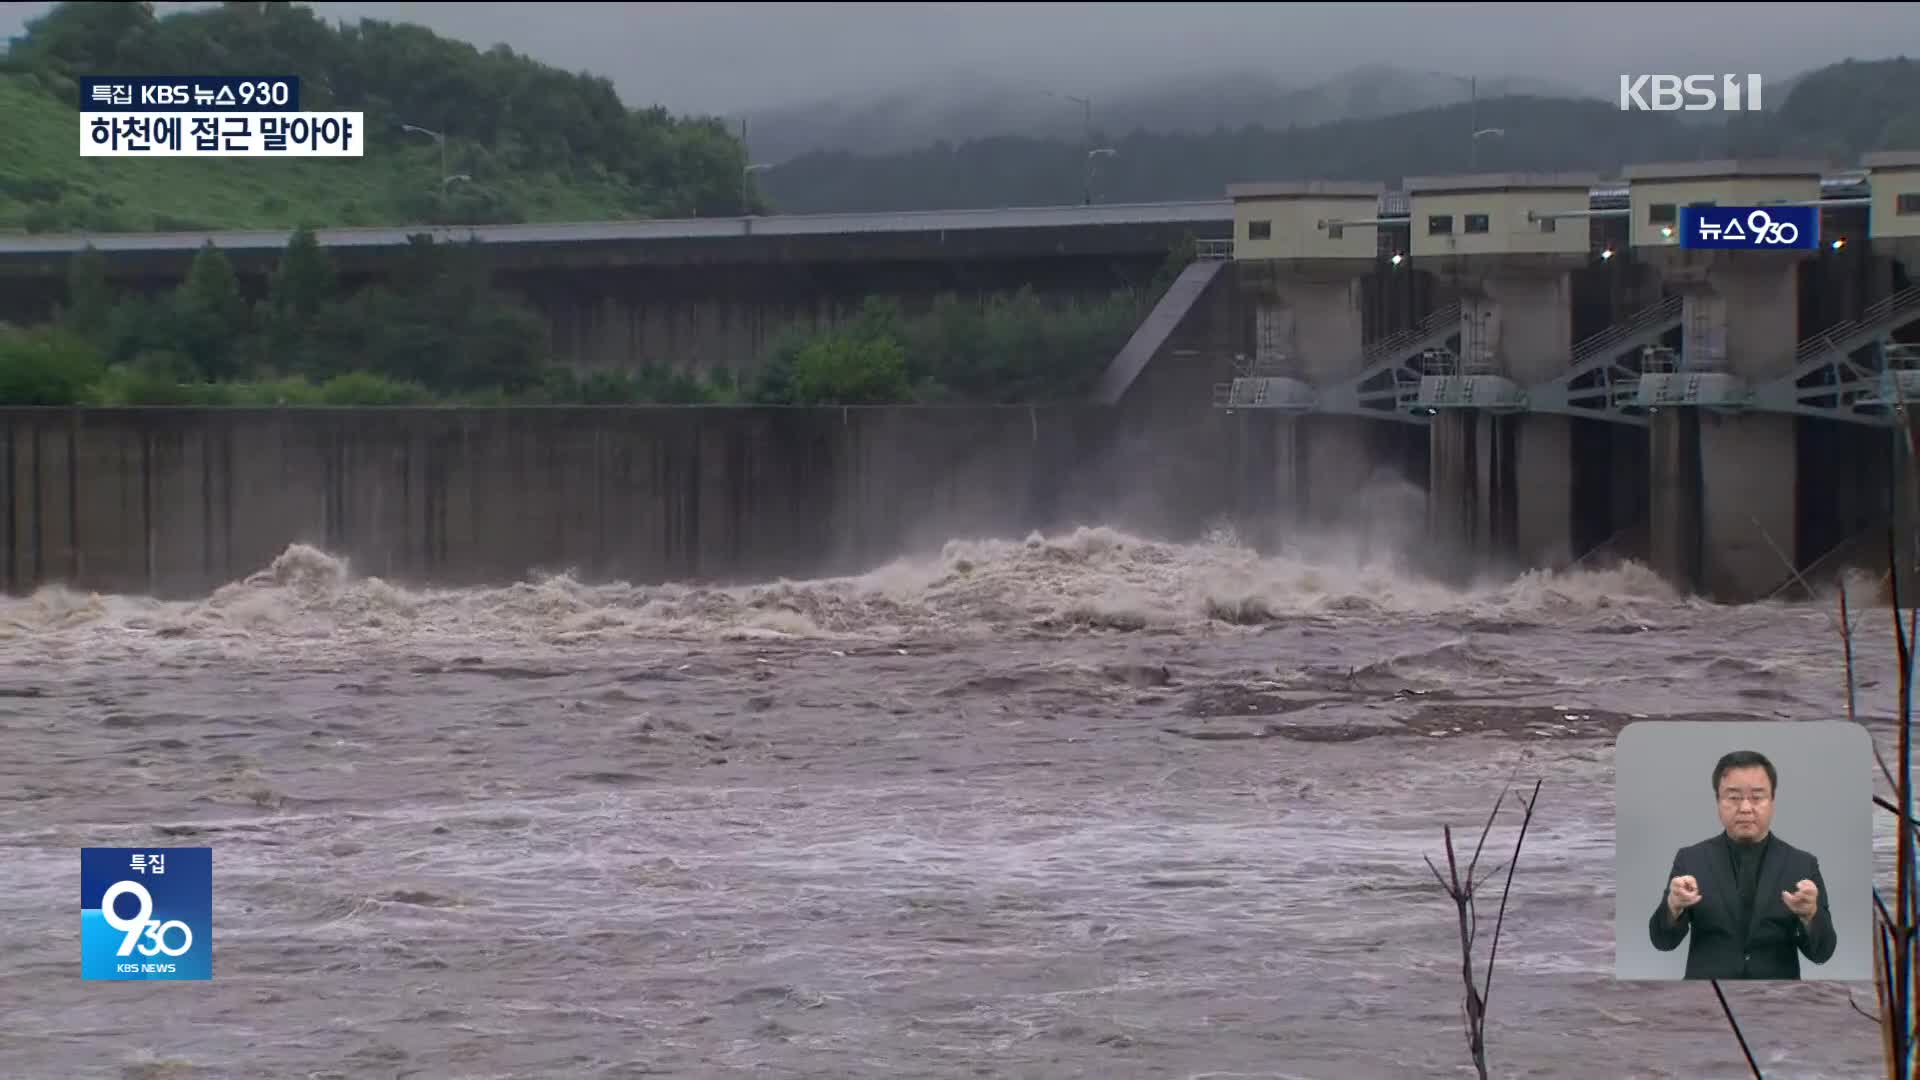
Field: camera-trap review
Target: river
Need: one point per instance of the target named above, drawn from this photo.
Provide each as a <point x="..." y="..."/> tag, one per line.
<point x="1079" y="806"/>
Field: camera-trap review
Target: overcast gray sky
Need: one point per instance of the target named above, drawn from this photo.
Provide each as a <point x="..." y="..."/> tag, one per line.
<point x="723" y="58"/>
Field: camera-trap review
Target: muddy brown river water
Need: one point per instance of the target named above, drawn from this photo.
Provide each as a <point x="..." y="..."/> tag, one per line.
<point x="1087" y="806"/>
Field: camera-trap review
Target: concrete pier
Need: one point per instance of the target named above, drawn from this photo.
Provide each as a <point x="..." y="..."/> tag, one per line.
<point x="1308" y="327"/>
<point x="1502" y="480"/>
<point x="1725" y="480"/>
<point x="1308" y="304"/>
<point x="1742" y="317"/>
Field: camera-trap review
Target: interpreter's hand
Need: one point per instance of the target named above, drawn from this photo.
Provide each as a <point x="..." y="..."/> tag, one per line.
<point x="1804" y="900"/>
<point x="1682" y="893"/>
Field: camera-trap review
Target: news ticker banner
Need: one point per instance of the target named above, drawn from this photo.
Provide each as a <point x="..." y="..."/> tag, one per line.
<point x="210" y="116"/>
<point x="146" y="913"/>
<point x="1750" y="228"/>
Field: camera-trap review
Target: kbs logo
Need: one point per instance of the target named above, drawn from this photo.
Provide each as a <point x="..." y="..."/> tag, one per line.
<point x="166" y="94"/>
<point x="146" y="913"/>
<point x="1689" y="93"/>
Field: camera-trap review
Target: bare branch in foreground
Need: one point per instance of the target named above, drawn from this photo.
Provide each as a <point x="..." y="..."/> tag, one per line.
<point x="1463" y="894"/>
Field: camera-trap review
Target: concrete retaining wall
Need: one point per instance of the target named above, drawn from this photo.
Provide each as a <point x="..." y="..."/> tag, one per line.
<point x="174" y="502"/>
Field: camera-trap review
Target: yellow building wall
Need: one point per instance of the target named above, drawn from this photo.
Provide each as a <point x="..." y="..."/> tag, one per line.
<point x="1888" y="185"/>
<point x="1644" y="195"/>
<point x="1508" y="232"/>
<point x="1296" y="232"/>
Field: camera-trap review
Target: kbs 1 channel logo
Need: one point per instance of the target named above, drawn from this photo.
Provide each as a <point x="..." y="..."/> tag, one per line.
<point x="210" y="116"/>
<point x="146" y="913"/>
<point x="1690" y="93"/>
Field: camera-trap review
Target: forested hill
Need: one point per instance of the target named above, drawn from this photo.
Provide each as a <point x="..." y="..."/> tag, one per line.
<point x="1833" y="114"/>
<point x="539" y="143"/>
<point x="534" y="143"/>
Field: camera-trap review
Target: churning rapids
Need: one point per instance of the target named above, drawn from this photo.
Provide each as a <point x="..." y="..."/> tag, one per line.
<point x="1086" y="805"/>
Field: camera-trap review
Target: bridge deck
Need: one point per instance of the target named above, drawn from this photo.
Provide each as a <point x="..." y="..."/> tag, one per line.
<point x="1217" y="212"/>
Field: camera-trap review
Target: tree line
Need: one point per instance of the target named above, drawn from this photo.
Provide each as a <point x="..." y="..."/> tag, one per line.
<point x="436" y="329"/>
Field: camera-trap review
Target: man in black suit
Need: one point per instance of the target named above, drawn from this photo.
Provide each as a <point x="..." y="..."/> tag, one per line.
<point x="1753" y="902"/>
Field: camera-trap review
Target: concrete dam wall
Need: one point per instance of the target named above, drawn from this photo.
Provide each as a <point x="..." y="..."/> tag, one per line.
<point x="175" y="502"/>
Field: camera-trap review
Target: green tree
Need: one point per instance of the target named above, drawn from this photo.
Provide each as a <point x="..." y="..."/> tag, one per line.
<point x="211" y="317"/>
<point x="303" y="283"/>
<point x="300" y="292"/>
<point x="89" y="306"/>
<point x="846" y="369"/>
<point x="45" y="366"/>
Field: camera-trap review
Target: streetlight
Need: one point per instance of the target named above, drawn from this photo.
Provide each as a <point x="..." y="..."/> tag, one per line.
<point x="1473" y="142"/>
<point x="746" y="206"/>
<point x="1473" y="122"/>
<point x="1086" y="139"/>
<point x="1100" y="152"/>
<point x="1086" y="114"/>
<point x="436" y="137"/>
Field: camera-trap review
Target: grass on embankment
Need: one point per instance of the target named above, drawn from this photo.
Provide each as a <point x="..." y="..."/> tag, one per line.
<point x="46" y="186"/>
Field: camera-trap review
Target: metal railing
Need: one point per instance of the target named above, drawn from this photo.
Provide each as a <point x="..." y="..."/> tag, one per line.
<point x="1213" y="248"/>
<point x="1828" y="340"/>
<point x="1407" y="339"/>
<point x="1436" y="362"/>
<point x="1596" y="346"/>
<point x="1270" y="366"/>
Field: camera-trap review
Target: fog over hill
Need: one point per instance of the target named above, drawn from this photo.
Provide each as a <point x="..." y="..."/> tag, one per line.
<point x="971" y="106"/>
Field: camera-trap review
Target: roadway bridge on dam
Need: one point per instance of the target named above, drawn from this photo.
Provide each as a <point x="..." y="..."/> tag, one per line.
<point x="1581" y="379"/>
<point x="692" y="295"/>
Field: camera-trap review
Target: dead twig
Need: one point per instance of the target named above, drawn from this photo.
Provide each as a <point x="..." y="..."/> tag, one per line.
<point x="1463" y="894"/>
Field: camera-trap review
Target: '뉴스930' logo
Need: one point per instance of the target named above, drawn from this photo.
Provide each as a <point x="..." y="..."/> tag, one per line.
<point x="143" y="925"/>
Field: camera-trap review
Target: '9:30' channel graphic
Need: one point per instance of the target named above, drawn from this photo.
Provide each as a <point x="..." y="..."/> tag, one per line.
<point x="146" y="913"/>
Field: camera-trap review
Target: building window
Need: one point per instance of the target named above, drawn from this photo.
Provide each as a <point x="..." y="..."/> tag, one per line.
<point x="1335" y="232"/>
<point x="1440" y="225"/>
<point x="1259" y="230"/>
<point x="1662" y="213"/>
<point x="1476" y="223"/>
<point x="1906" y="202"/>
<point x="1547" y="224"/>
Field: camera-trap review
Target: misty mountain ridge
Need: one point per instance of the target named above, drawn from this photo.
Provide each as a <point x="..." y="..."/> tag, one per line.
<point x="1831" y="115"/>
<point x="967" y="105"/>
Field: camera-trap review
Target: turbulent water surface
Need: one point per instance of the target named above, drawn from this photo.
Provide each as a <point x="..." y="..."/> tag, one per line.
<point x="1084" y="805"/>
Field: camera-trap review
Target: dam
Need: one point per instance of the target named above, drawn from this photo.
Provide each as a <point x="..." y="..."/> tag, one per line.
<point x="1536" y="352"/>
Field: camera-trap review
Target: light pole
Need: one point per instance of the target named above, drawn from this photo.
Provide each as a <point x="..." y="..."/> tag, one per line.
<point x="1473" y="154"/>
<point x="1086" y="137"/>
<point x="436" y="137"/>
<point x="1474" y="131"/>
<point x="746" y="206"/>
<point x="1104" y="151"/>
